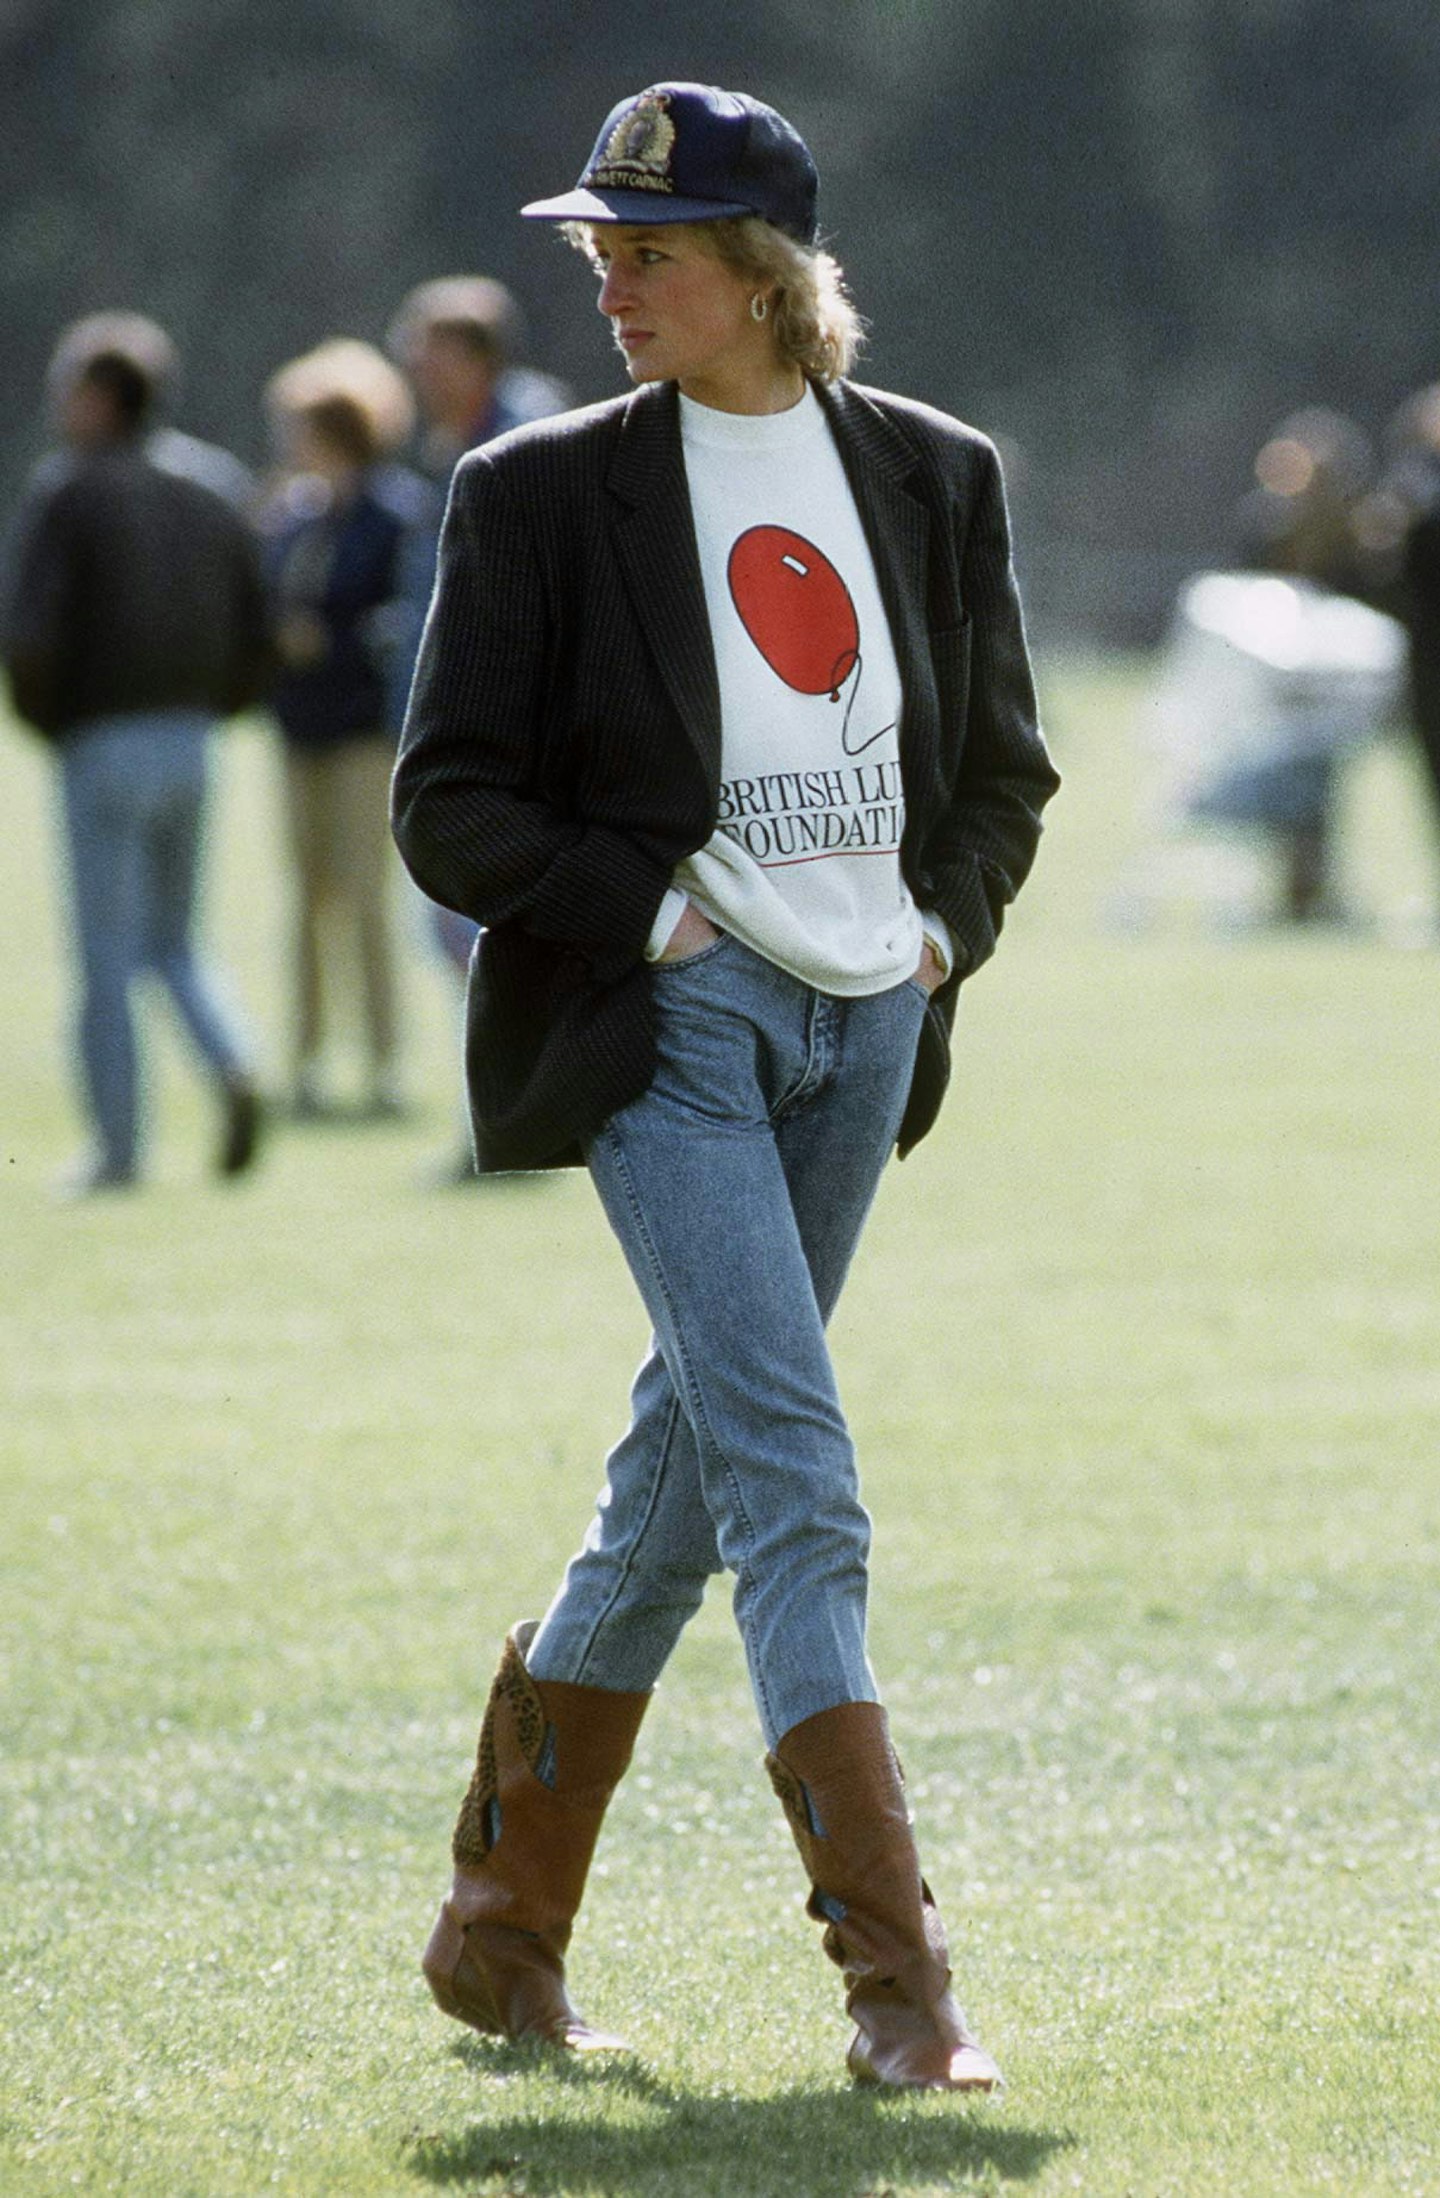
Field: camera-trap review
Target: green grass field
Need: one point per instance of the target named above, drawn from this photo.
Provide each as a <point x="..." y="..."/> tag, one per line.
<point x="1143" y="1355"/>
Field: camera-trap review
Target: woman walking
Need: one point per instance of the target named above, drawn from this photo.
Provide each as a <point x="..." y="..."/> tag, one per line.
<point x="724" y="731"/>
<point x="336" y="534"/>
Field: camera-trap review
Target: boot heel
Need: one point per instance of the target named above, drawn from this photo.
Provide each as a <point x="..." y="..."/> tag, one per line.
<point x="458" y="1986"/>
<point x="441" y="1959"/>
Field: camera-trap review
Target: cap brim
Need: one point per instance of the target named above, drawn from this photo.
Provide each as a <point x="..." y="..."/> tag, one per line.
<point x="642" y="208"/>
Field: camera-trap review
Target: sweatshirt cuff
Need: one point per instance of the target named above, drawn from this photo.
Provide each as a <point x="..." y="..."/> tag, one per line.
<point x="667" y="916"/>
<point x="937" y="931"/>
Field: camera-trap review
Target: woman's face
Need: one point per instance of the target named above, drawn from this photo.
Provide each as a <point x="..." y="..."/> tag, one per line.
<point x="307" y="449"/>
<point x="679" y="314"/>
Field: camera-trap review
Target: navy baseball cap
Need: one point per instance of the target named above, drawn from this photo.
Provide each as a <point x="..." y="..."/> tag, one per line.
<point x="690" y="152"/>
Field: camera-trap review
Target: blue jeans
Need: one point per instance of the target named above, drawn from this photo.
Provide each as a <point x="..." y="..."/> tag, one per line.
<point x="737" y="1186"/>
<point x="134" y="800"/>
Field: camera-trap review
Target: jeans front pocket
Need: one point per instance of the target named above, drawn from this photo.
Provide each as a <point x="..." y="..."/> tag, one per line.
<point x="682" y="962"/>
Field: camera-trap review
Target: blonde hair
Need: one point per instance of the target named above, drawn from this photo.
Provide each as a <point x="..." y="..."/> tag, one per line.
<point x="350" y="392"/>
<point x="815" y="321"/>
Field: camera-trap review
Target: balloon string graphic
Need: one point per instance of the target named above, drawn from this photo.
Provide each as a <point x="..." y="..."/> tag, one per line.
<point x="857" y="665"/>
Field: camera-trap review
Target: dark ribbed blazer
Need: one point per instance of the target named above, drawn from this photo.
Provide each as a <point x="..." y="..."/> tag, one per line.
<point x="561" y="752"/>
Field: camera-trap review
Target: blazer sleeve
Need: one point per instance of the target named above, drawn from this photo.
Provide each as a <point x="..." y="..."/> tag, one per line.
<point x="471" y="808"/>
<point x="979" y="853"/>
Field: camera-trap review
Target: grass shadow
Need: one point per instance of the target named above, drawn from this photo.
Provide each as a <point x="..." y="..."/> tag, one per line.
<point x="633" y="2136"/>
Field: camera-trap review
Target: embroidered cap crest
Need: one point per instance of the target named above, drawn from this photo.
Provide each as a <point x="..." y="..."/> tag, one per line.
<point x="637" y="152"/>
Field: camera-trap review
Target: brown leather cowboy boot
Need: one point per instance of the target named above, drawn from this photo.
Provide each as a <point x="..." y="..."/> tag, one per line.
<point x="550" y="1756"/>
<point x="841" y="1788"/>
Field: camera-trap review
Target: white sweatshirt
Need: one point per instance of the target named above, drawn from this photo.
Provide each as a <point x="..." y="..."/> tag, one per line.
<point x="804" y="865"/>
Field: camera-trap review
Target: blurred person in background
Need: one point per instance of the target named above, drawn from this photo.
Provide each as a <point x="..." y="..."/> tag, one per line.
<point x="456" y="338"/>
<point x="164" y="443"/>
<point x="1312" y="475"/>
<point x="724" y="729"/>
<point x="334" y="534"/>
<point x="1273" y="674"/>
<point x="1418" y="586"/>
<point x="134" y="619"/>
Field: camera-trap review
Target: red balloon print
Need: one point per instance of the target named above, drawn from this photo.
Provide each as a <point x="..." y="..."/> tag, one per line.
<point x="796" y="609"/>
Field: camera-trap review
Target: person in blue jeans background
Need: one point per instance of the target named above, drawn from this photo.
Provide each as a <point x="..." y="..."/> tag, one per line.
<point x="134" y="618"/>
<point x="724" y="731"/>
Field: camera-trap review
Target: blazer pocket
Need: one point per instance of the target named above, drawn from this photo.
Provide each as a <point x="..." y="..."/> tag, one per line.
<point x="551" y="1049"/>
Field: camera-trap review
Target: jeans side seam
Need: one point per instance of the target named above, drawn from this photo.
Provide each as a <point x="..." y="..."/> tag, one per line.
<point x="692" y="1391"/>
<point x="636" y="1545"/>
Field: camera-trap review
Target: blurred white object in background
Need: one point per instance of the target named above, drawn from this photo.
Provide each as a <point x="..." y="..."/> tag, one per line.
<point x="1260" y="670"/>
<point x="1265" y="686"/>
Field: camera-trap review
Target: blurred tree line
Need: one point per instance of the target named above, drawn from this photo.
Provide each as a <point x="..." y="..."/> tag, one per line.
<point x="1121" y="235"/>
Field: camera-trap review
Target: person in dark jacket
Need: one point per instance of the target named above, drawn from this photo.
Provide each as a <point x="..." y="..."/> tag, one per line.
<point x="134" y="619"/>
<point x="335" y="538"/>
<point x="724" y="730"/>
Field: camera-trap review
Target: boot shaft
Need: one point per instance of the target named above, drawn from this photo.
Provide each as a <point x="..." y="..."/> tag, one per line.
<point x="549" y="1758"/>
<point x="544" y="1737"/>
<point x="843" y="1792"/>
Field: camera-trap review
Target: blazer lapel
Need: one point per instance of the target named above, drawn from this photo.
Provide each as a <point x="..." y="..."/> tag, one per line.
<point x="654" y="540"/>
<point x="879" y="466"/>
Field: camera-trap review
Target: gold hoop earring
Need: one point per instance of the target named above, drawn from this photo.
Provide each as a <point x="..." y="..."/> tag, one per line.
<point x="759" y="308"/>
